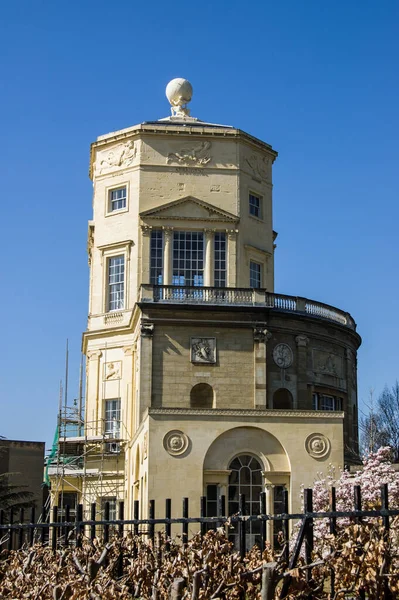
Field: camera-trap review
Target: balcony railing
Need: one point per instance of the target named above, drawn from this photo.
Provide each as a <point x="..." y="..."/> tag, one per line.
<point x="175" y="294"/>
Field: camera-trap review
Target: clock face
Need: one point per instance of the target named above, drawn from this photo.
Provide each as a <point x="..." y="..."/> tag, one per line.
<point x="282" y="356"/>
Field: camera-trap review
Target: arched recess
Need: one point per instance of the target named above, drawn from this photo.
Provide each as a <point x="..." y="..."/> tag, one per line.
<point x="201" y="396"/>
<point x="246" y="460"/>
<point x="241" y="440"/>
<point x="282" y="399"/>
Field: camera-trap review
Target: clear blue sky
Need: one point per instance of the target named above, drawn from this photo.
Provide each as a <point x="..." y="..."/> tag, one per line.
<point x="316" y="79"/>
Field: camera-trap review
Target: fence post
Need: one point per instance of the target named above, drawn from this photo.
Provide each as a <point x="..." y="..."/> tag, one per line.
<point x="203" y="515"/>
<point x="286" y="529"/>
<point x="136" y="513"/>
<point x="32" y="529"/>
<point x="357" y="501"/>
<point x="120" y="517"/>
<point x="269" y="581"/>
<point x="151" y="527"/>
<point x="106" y="526"/>
<point x="241" y="525"/>
<point x="308" y="508"/>
<point x="54" y="529"/>
<point x="263" y="524"/>
<point x="21" y="531"/>
<point x="66" y="527"/>
<point x="93" y="518"/>
<point x="78" y="525"/>
<point x="42" y="531"/>
<point x="185" y="524"/>
<point x="168" y="526"/>
<point x="385" y="520"/>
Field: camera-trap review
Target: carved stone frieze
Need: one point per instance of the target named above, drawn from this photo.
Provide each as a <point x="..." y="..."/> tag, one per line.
<point x="198" y="155"/>
<point x="327" y="363"/>
<point x="120" y="156"/>
<point x="203" y="350"/>
<point x="317" y="445"/>
<point x="229" y="412"/>
<point x="175" y="442"/>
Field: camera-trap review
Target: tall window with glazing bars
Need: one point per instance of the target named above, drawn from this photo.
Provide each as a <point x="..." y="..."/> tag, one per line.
<point x="220" y="260"/>
<point x="156" y="257"/>
<point x="116" y="283"/>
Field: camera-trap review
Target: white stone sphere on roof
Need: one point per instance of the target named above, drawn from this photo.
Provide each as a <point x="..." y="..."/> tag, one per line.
<point x="179" y="91"/>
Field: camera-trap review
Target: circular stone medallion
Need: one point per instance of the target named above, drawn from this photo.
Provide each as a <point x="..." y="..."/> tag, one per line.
<point x="317" y="445"/>
<point x="283" y="356"/>
<point x="175" y="442"/>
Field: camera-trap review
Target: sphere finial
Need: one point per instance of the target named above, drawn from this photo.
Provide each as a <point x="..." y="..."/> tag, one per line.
<point x="179" y="92"/>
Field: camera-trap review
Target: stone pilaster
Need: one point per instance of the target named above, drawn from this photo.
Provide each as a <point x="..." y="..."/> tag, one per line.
<point x="147" y="330"/>
<point x="128" y="387"/>
<point x="145" y="254"/>
<point x="232" y="257"/>
<point x="94" y="379"/>
<point x="167" y="255"/>
<point x="303" y="402"/>
<point x="209" y="258"/>
<point x="261" y="337"/>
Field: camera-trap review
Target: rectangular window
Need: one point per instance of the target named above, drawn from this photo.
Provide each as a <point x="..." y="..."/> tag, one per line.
<point x="117" y="199"/>
<point x="220" y="260"/>
<point x="116" y="283"/>
<point x="254" y="275"/>
<point x="188" y="258"/>
<point x="156" y="257"/>
<point x="254" y="206"/>
<point x="326" y="402"/>
<point x="112" y="427"/>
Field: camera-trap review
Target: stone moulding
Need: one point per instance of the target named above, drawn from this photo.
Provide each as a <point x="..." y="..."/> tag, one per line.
<point x="229" y="412"/>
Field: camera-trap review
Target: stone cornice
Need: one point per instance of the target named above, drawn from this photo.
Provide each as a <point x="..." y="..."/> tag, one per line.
<point x="258" y="414"/>
<point x="161" y="129"/>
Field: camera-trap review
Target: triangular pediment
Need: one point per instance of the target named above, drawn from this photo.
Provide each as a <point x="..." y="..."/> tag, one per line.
<point x="189" y="209"/>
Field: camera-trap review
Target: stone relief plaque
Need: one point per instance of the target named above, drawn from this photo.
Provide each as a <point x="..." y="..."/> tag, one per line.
<point x="203" y="350"/>
<point x="175" y="442"/>
<point x="197" y="156"/>
<point x="327" y="363"/>
<point x="113" y="370"/>
<point x="317" y="445"/>
<point x="120" y="156"/>
<point x="259" y="166"/>
<point x="283" y="356"/>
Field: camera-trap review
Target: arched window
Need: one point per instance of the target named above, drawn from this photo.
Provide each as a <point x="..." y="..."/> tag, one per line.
<point x="245" y="478"/>
<point x="201" y="396"/>
<point x="282" y="399"/>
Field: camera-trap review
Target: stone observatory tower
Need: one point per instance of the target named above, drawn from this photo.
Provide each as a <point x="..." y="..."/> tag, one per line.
<point x="201" y="379"/>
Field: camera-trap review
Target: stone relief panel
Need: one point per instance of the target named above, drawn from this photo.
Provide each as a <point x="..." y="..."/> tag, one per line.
<point x="283" y="356"/>
<point x="203" y="350"/>
<point x="197" y="156"/>
<point x="259" y="166"/>
<point x="327" y="363"/>
<point x="317" y="445"/>
<point x="175" y="442"/>
<point x="119" y="156"/>
<point x="112" y="370"/>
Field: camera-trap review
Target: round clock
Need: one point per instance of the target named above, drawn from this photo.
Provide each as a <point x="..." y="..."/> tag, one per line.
<point x="282" y="356"/>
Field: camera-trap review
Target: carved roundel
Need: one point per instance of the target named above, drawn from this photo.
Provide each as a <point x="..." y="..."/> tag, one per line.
<point x="175" y="442"/>
<point x="283" y="356"/>
<point x="317" y="445"/>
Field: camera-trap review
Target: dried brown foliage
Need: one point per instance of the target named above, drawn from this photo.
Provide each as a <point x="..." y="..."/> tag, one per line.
<point x="362" y="556"/>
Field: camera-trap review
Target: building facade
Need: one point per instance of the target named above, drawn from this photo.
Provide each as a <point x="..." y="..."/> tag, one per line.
<point x="201" y="379"/>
